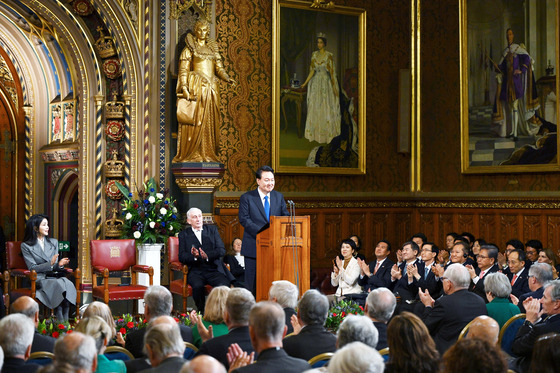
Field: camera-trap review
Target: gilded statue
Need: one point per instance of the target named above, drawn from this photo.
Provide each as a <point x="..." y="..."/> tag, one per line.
<point x="198" y="99"/>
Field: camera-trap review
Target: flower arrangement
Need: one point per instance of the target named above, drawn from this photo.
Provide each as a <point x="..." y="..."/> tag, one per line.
<point x="54" y="328"/>
<point x="150" y="215"/>
<point x="184" y="319"/>
<point x="127" y="323"/>
<point x="339" y="311"/>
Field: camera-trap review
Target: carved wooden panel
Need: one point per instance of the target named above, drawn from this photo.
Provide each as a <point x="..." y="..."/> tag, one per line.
<point x="532" y="226"/>
<point x="357" y="224"/>
<point x="333" y="235"/>
<point x="487" y="228"/>
<point x="403" y="229"/>
<point x="466" y="223"/>
<point x="314" y="249"/>
<point x="509" y="228"/>
<point x="427" y="225"/>
<point x="553" y="236"/>
<point x="445" y="225"/>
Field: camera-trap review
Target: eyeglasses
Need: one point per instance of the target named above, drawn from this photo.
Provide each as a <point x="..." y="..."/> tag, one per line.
<point x="510" y="262"/>
<point x="426" y="250"/>
<point x="483" y="257"/>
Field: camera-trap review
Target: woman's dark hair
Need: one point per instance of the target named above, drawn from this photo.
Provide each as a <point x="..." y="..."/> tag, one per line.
<point x="349" y="242"/>
<point x="474" y="355"/>
<point x="359" y="245"/>
<point x="32" y="228"/>
<point x="230" y="250"/>
<point x="546" y="354"/>
<point x="411" y="347"/>
<point x="323" y="39"/>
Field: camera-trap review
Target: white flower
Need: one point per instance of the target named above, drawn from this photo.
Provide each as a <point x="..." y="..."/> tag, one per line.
<point x="163" y="211"/>
<point x="151" y="199"/>
<point x="152" y="224"/>
<point x="128" y="216"/>
<point x="174" y="210"/>
<point x="170" y="227"/>
<point x="136" y="234"/>
<point x="159" y="195"/>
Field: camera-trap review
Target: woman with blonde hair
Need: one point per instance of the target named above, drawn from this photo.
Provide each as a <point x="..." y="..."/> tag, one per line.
<point x="97" y="328"/>
<point x="213" y="319"/>
<point x="411" y="348"/>
<point x="102" y="310"/>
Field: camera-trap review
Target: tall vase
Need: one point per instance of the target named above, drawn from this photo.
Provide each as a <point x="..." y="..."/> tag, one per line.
<point x="149" y="254"/>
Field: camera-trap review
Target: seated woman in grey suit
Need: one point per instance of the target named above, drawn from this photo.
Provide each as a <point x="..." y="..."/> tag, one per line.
<point x="41" y="254"/>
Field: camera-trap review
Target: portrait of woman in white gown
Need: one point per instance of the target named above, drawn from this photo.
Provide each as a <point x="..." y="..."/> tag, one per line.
<point x="323" y="102"/>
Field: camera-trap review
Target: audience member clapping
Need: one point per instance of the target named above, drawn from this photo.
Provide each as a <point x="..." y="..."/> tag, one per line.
<point x="474" y="355"/>
<point x="356" y="357"/>
<point x="286" y="295"/>
<point x="498" y="290"/>
<point x="346" y="271"/>
<point x="30" y="308"/>
<point x="212" y="323"/>
<point x="380" y="305"/>
<point x="102" y="310"/>
<point x="539" y="275"/>
<point x="411" y="348"/>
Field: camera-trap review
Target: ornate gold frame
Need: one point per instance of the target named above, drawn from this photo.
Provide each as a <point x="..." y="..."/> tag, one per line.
<point x="277" y="120"/>
<point x="466" y="166"/>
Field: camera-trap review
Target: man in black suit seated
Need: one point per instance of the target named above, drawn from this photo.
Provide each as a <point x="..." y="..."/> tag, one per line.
<point x="312" y="339"/>
<point x="236" y="316"/>
<point x="540" y="274"/>
<point x="27" y="306"/>
<point x="402" y="285"/>
<point x="267" y="328"/>
<point x="380" y="305"/>
<point x="532" y="250"/>
<point x="378" y="273"/>
<point x="427" y="280"/>
<point x="164" y="346"/>
<point x="487" y="261"/>
<point x="158" y="301"/>
<point x="446" y="317"/>
<point x="286" y="295"/>
<point x="535" y="326"/>
<point x="518" y="273"/>
<point x="201" y="249"/>
<point x="16" y="336"/>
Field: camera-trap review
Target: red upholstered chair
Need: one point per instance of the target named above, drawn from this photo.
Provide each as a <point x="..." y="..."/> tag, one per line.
<point x="180" y="285"/>
<point x="17" y="269"/>
<point x="116" y="255"/>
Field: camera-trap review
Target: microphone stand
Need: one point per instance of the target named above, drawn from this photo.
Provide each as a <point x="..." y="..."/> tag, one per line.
<point x="292" y="211"/>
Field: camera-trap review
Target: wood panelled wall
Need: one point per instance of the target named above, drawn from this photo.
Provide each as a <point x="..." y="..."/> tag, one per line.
<point x="332" y="220"/>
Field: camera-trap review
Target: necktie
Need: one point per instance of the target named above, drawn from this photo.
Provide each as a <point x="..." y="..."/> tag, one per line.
<point x="376" y="267"/>
<point x="266" y="208"/>
<point x="426" y="272"/>
<point x="513" y="279"/>
<point x="482" y="274"/>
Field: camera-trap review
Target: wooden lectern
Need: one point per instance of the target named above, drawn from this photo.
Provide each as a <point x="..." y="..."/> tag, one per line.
<point x="281" y="249"/>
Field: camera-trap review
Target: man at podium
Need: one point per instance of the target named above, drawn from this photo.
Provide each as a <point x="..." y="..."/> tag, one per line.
<point x="255" y="209"/>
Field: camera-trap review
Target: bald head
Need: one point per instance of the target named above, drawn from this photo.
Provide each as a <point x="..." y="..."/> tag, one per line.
<point x="27" y="306"/>
<point x="203" y="364"/>
<point x="486" y="328"/>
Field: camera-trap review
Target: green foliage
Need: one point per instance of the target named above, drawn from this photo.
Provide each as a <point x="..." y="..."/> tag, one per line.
<point x="150" y="215"/>
<point x="339" y="311"/>
<point x="54" y="328"/>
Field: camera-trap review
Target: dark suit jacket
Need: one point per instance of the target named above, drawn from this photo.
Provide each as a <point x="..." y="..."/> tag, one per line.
<point x="235" y="268"/>
<point x="449" y="316"/>
<point x="212" y="245"/>
<point x="405" y="290"/>
<point x="171" y="364"/>
<point x="253" y="218"/>
<point x="537" y="294"/>
<point x="275" y="360"/>
<point x="521" y="285"/>
<point x="382" y="339"/>
<point x="137" y="365"/>
<point x="430" y="283"/>
<point x="478" y="288"/>
<point x="527" y="336"/>
<point x="12" y="365"/>
<point x="42" y="343"/>
<point x="311" y="341"/>
<point x="381" y="279"/>
<point x="217" y="347"/>
<point x="134" y="342"/>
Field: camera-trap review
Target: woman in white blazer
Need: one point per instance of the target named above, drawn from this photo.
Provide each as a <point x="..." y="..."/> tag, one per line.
<point x="346" y="271"/>
<point x="41" y="254"/>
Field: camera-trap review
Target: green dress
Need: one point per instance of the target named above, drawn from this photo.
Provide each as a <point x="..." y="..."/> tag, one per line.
<point x="501" y="310"/>
<point x="217" y="330"/>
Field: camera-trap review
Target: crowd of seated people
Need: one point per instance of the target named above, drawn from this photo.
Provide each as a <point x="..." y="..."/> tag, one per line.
<point x="417" y="304"/>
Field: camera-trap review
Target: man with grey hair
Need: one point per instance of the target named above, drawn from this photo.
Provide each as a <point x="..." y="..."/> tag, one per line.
<point x="380" y="305"/>
<point x="74" y="353"/>
<point x="313" y="339"/>
<point x="267" y="328"/>
<point x="356" y="328"/>
<point x="30" y="308"/>
<point x="446" y="317"/>
<point x="540" y="274"/>
<point x="286" y="295"/>
<point x="203" y="364"/>
<point x="16" y="336"/>
<point x="535" y="326"/>
<point x="236" y="316"/>
<point x="201" y="248"/>
<point x="158" y="301"/>
<point x="165" y="347"/>
<point x="356" y="357"/>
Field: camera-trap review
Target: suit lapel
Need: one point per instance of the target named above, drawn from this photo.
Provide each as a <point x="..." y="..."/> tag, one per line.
<point x="193" y="236"/>
<point x="260" y="206"/>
